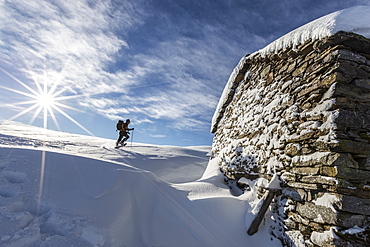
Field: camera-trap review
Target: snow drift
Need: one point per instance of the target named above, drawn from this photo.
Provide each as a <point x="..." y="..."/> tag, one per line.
<point x="60" y="189"/>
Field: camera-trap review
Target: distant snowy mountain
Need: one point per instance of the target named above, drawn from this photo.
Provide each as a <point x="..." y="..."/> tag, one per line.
<point x="61" y="189"/>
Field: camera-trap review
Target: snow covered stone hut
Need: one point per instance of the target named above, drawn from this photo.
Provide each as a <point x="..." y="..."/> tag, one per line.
<point x="300" y="108"/>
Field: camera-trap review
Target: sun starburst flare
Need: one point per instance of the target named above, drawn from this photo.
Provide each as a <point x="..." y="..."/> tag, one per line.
<point x="45" y="100"/>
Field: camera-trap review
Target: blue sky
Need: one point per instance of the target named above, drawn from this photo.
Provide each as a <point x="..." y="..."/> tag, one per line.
<point x="161" y="63"/>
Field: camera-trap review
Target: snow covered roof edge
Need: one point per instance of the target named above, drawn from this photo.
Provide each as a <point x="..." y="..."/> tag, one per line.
<point x="225" y="93"/>
<point x="355" y="19"/>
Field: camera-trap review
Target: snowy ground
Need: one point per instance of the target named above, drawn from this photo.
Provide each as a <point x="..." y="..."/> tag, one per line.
<point x="61" y="189"/>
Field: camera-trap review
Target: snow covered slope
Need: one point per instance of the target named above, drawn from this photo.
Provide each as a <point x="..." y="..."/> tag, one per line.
<point x="162" y="160"/>
<point x="60" y="189"/>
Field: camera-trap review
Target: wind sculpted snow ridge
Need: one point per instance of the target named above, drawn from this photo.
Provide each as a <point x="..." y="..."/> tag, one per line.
<point x="79" y="191"/>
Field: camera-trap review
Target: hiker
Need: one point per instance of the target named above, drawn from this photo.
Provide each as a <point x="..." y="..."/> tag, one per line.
<point x="123" y="131"/>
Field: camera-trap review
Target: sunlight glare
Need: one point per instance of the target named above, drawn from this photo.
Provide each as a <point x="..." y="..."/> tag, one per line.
<point x="45" y="100"/>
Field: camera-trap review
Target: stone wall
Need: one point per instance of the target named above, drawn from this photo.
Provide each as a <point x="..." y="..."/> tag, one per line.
<point x="304" y="114"/>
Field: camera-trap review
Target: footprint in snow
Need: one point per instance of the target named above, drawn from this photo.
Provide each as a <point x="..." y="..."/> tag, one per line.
<point x="15" y="177"/>
<point x="3" y="164"/>
<point x="6" y="192"/>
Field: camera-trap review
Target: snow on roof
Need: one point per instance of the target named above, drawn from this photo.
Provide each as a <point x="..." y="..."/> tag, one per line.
<point x="355" y="19"/>
<point x="225" y="93"/>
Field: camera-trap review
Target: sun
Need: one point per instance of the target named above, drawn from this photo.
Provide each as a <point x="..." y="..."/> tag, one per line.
<point x="45" y="100"/>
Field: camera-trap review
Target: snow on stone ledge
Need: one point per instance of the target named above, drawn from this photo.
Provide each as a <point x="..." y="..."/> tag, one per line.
<point x="355" y="19"/>
<point x="226" y="91"/>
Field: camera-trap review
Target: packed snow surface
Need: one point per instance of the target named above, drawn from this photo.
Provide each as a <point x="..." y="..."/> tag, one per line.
<point x="61" y="189"/>
<point x="355" y="19"/>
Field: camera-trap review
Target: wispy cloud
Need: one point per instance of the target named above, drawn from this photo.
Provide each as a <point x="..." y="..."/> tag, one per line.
<point x="158" y="136"/>
<point x="82" y="46"/>
<point x="189" y="72"/>
<point x="74" y="38"/>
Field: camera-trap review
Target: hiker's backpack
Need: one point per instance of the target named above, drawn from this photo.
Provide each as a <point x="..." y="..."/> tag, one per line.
<point x="119" y="124"/>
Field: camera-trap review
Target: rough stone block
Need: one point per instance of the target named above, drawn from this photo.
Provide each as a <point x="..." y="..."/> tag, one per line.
<point x="329" y="79"/>
<point x="318" y="158"/>
<point x="265" y="71"/>
<point x="303" y="185"/>
<point x="344" y="160"/>
<point x="293" y="194"/>
<point x="346" y="67"/>
<point x="318" y="69"/>
<point x="352" y="91"/>
<point x="316" y="227"/>
<point x="300" y="70"/>
<point x="305" y="170"/>
<point x="322" y="159"/>
<point x="319" y="180"/>
<point x="350" y="220"/>
<point x="288" y="176"/>
<point x="353" y="147"/>
<point x="365" y="83"/>
<point x="349" y="55"/>
<point x="305" y="230"/>
<point x="328" y="171"/>
<point x="306" y="48"/>
<point x="312" y="87"/>
<point x="354" y="205"/>
<point x="317" y="213"/>
<point x="353" y="175"/>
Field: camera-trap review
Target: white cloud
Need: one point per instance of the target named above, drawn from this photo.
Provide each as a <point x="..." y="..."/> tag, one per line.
<point x="76" y="42"/>
<point x="157" y="136"/>
<point x="193" y="72"/>
<point x="70" y="36"/>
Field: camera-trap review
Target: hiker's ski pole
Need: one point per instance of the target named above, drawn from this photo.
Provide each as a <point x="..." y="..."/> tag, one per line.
<point x="132" y="137"/>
